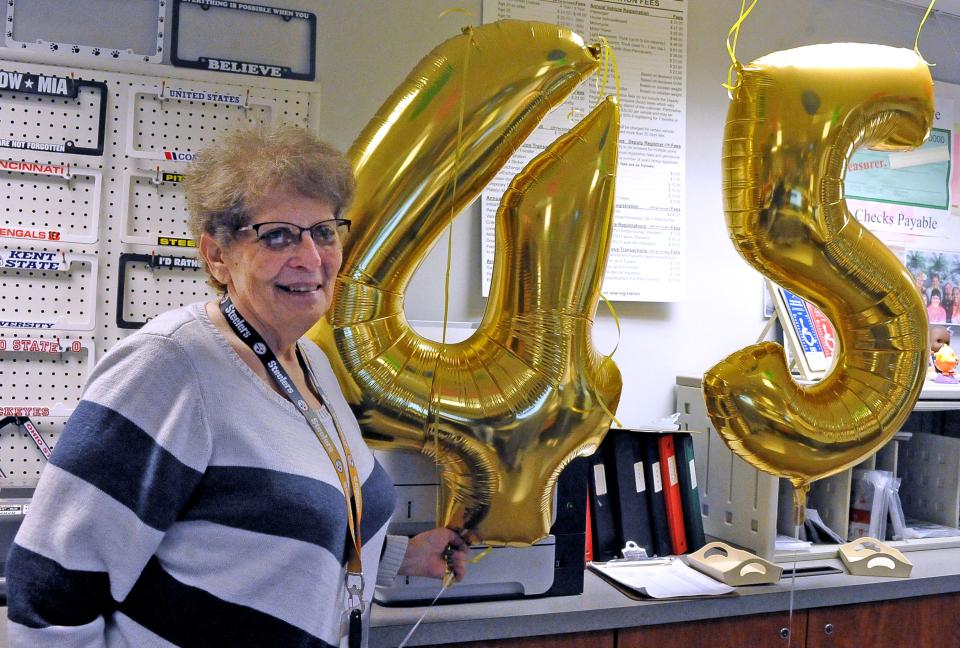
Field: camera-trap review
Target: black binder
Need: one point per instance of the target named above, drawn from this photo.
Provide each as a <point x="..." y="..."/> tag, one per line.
<point x="689" y="493"/>
<point x="602" y="513"/>
<point x="627" y="458"/>
<point x="658" y="506"/>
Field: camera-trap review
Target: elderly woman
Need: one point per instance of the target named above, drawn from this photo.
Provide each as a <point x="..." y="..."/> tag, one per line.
<point x="212" y="487"/>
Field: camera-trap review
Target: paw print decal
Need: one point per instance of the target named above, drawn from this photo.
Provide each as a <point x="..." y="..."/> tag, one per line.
<point x="96" y="51"/>
<point x="54" y="47"/>
<point x="115" y="53"/>
<point x="75" y="49"/>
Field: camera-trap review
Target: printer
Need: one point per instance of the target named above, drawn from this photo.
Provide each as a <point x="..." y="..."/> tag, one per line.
<point x="551" y="567"/>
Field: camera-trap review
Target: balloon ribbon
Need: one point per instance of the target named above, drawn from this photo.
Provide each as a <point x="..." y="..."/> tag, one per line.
<point x="916" y="42"/>
<point x="735" y="65"/>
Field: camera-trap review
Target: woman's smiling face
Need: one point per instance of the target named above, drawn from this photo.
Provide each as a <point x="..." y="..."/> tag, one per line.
<point x="283" y="292"/>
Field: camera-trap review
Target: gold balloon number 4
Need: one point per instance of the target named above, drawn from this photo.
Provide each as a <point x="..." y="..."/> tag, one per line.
<point x="503" y="411"/>
<point x="794" y="122"/>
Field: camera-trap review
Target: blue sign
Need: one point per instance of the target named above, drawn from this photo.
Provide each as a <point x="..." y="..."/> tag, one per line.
<point x="802" y="323"/>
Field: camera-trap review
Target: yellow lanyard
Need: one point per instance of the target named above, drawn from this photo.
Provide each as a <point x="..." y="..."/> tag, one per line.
<point x="346" y="470"/>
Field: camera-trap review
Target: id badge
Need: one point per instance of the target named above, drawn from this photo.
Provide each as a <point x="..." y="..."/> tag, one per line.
<point x="351" y="627"/>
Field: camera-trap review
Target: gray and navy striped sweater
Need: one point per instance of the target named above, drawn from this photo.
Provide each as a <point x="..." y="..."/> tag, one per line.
<point x="188" y="504"/>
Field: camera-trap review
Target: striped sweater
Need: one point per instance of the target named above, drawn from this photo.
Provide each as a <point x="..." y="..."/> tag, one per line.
<point x="188" y="504"/>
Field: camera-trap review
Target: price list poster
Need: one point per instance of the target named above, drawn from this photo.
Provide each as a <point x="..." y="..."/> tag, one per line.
<point x="648" y="38"/>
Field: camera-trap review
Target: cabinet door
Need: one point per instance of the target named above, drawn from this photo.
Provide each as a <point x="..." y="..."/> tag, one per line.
<point x="602" y="639"/>
<point x="923" y="622"/>
<point x="756" y="631"/>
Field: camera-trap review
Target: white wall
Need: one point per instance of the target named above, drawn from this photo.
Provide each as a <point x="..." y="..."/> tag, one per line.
<point x="368" y="46"/>
<point x="366" y="49"/>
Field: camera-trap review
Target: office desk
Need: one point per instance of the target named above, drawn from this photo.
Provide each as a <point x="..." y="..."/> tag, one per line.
<point x="604" y="614"/>
<point x="602" y="617"/>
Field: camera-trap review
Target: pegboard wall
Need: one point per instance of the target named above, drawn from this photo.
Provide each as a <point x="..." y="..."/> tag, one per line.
<point x="94" y="245"/>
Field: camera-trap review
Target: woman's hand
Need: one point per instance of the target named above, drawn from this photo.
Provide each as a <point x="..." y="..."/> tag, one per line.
<point x="434" y="553"/>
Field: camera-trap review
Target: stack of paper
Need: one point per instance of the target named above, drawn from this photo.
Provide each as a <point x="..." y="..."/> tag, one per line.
<point x="819" y="531"/>
<point x="786" y="543"/>
<point x="668" y="578"/>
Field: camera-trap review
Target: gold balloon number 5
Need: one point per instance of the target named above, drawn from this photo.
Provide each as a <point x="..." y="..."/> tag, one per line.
<point x="503" y="411"/>
<point x="793" y="124"/>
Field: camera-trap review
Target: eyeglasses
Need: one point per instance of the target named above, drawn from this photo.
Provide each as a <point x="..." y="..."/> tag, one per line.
<point x="277" y="235"/>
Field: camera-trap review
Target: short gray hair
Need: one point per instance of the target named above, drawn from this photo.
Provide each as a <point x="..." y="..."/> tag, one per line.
<point x="230" y="177"/>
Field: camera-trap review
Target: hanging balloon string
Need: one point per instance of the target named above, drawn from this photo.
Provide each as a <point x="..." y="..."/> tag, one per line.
<point x="916" y="42"/>
<point x="608" y="64"/>
<point x="446" y="287"/>
<point x="735" y="65"/>
<point x="800" y="492"/>
<point x="416" y="625"/>
<point x="799" y="513"/>
<point x="435" y="433"/>
<point x="435" y="425"/>
<point x="447" y="582"/>
<point x="793" y="586"/>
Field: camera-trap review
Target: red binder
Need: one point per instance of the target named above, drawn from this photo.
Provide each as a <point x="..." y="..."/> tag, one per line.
<point x="671" y="493"/>
<point x="588" y="544"/>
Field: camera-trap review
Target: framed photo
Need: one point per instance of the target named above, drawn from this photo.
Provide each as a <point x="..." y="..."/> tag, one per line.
<point x="808" y="335"/>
